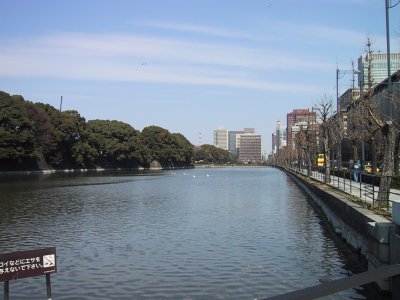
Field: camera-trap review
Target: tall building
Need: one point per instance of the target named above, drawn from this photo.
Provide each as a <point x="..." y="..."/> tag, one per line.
<point x="297" y="116"/>
<point x="250" y="148"/>
<point x="278" y="138"/>
<point x="378" y="67"/>
<point x="221" y="138"/>
<point x="249" y="130"/>
<point x="274" y="143"/>
<point x="233" y="141"/>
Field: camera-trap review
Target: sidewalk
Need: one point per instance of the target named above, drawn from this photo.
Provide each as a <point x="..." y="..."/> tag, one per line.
<point x="364" y="191"/>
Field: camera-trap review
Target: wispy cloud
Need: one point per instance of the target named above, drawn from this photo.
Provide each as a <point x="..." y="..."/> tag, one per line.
<point x="313" y="33"/>
<point x="148" y="59"/>
<point x="200" y="29"/>
<point x="326" y="35"/>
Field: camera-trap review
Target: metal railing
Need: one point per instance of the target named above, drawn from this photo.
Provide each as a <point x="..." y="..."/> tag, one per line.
<point x="325" y="289"/>
<point x="362" y="189"/>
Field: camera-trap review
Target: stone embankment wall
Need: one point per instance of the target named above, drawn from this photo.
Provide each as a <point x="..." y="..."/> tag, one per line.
<point x="376" y="237"/>
<point x="154" y="166"/>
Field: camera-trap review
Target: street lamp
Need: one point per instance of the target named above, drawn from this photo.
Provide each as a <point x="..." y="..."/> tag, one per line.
<point x="387" y="7"/>
<point x="389" y="79"/>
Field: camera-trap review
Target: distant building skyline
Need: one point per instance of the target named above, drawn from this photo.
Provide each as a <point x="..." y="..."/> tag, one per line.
<point x="278" y="137"/>
<point x="375" y="63"/>
<point x="294" y="118"/>
<point x="246" y="144"/>
<point x="234" y="142"/>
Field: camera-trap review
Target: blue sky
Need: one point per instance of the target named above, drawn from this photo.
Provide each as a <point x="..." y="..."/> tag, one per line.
<point x="187" y="66"/>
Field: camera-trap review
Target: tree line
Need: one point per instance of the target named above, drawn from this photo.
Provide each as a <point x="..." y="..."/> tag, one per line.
<point x="209" y="154"/>
<point x="37" y="136"/>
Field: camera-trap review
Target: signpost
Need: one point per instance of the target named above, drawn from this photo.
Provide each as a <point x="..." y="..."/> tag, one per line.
<point x="24" y="264"/>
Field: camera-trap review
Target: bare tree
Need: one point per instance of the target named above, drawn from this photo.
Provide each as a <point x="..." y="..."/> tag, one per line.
<point x="354" y="130"/>
<point x="388" y="131"/>
<point x="337" y="133"/>
<point x="306" y="141"/>
<point x="298" y="139"/>
<point x="282" y="157"/>
<point x="285" y="157"/>
<point x="370" y="134"/>
<point x="378" y="101"/>
<point x="325" y="112"/>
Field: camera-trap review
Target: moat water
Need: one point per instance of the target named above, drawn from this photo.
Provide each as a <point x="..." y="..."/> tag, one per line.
<point x="209" y="233"/>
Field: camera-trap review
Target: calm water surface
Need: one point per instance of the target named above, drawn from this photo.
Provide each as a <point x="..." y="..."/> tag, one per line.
<point x="235" y="233"/>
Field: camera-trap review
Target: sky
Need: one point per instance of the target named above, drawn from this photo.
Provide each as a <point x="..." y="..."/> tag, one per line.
<point x="189" y="66"/>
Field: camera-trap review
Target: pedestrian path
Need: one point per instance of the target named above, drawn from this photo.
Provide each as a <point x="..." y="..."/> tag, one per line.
<point x="368" y="193"/>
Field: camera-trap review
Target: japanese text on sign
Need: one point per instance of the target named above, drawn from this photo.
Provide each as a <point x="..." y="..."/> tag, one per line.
<point x="27" y="263"/>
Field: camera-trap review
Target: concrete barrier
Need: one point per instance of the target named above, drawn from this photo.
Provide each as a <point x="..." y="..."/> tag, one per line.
<point x="396" y="212"/>
<point x="367" y="232"/>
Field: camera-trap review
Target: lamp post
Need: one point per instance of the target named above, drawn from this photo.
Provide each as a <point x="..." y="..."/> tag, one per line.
<point x="389" y="79"/>
<point x="387" y="6"/>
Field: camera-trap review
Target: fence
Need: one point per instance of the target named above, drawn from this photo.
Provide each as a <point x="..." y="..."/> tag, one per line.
<point x="366" y="188"/>
<point x="314" y="292"/>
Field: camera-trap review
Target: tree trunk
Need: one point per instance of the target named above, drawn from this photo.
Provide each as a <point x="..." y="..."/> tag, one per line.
<point x="396" y="154"/>
<point x="309" y="163"/>
<point x="327" y="165"/>
<point x="374" y="162"/>
<point x="355" y="151"/>
<point x="299" y="159"/>
<point x="389" y="138"/>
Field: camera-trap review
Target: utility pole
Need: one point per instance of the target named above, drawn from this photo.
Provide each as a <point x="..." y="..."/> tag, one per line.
<point x="340" y="74"/>
<point x="387" y="6"/>
<point x="61" y="104"/>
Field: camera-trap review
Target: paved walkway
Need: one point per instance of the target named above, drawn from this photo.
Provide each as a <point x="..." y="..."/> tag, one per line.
<point x="364" y="191"/>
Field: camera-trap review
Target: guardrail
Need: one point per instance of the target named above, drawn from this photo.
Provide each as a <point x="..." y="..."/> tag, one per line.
<point x="325" y="289"/>
<point x="362" y="189"/>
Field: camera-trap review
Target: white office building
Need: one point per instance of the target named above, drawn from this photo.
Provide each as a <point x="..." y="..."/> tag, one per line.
<point x="378" y="67"/>
<point x="221" y="138"/>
